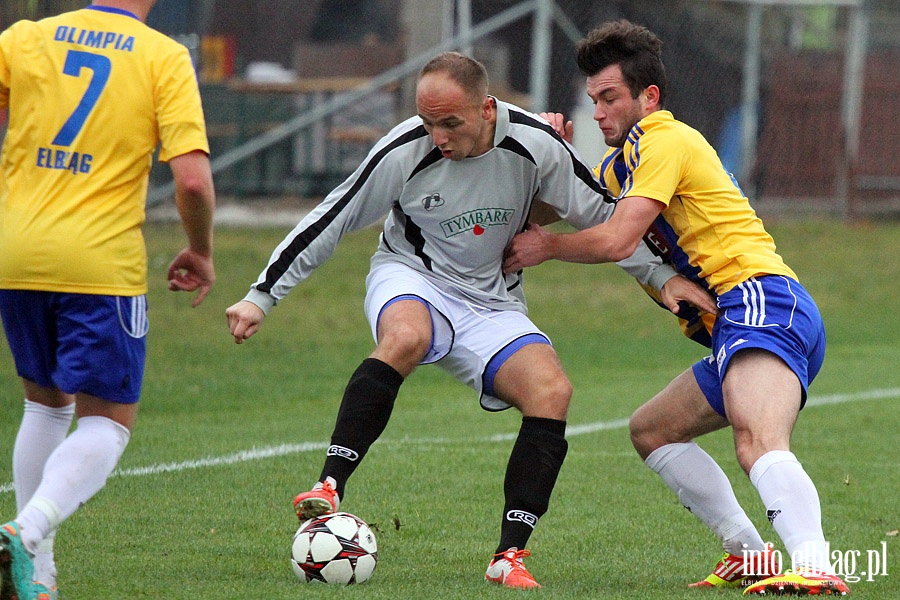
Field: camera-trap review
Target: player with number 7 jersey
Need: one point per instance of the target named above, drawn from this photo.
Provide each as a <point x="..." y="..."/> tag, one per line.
<point x="91" y="94"/>
<point x="96" y="91"/>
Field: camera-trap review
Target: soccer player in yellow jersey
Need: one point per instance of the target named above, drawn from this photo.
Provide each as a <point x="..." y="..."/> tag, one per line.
<point x="768" y="339"/>
<point x="90" y="93"/>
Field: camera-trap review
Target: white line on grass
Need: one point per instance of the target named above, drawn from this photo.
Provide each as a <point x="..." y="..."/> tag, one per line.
<point x="840" y="398"/>
<point x="572" y="430"/>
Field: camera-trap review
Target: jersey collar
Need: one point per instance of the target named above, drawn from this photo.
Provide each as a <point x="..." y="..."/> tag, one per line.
<point x="110" y="9"/>
<point x="501" y="127"/>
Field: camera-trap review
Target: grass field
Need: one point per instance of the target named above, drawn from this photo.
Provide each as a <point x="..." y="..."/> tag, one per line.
<point x="200" y="506"/>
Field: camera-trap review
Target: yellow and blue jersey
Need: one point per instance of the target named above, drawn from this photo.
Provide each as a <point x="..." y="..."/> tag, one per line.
<point x="708" y="231"/>
<point x="91" y="93"/>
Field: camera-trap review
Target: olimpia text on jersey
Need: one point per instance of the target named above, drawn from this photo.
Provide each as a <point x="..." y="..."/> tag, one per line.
<point x="94" y="39"/>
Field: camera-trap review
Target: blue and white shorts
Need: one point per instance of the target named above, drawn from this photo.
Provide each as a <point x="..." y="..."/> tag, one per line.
<point x="79" y="343"/>
<point x="773" y="313"/>
<point x="469" y="341"/>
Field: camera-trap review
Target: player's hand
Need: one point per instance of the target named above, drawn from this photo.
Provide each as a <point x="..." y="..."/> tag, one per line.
<point x="565" y="129"/>
<point x="192" y="271"/>
<point x="527" y="249"/>
<point x="244" y="319"/>
<point x="680" y="288"/>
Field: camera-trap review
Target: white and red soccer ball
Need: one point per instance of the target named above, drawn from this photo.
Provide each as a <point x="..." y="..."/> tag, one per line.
<point x="334" y="548"/>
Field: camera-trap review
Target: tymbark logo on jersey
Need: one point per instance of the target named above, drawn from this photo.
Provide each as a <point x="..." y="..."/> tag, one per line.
<point x="477" y="221"/>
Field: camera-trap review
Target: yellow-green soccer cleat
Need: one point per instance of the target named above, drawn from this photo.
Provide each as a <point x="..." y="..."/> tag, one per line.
<point x="737" y="571"/>
<point x="16" y="567"/>
<point x="799" y="584"/>
<point x="508" y="569"/>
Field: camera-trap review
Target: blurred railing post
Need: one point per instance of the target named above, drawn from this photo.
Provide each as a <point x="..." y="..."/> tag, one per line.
<point x="539" y="83"/>
<point x="750" y="93"/>
<point x="851" y="103"/>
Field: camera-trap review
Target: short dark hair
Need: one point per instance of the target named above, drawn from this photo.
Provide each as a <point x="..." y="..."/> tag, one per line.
<point x="636" y="49"/>
<point x="470" y="74"/>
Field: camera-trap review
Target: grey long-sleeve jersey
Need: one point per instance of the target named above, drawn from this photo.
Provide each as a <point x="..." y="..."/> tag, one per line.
<point x="452" y="220"/>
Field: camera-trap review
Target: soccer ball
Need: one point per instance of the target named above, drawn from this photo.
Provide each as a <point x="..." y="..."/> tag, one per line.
<point x="334" y="548"/>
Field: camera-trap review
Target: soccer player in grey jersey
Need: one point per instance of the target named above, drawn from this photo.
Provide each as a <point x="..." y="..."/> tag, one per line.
<point x="456" y="182"/>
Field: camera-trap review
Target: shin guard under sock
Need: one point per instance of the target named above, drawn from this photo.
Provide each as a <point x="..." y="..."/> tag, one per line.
<point x="365" y="410"/>
<point x="534" y="465"/>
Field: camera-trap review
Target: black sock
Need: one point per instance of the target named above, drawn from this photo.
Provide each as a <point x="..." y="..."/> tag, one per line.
<point x="365" y="409"/>
<point x="534" y="465"/>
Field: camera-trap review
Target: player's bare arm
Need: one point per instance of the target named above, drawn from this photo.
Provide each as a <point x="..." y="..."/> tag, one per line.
<point x="611" y="241"/>
<point x="195" y="198"/>
<point x="244" y="320"/>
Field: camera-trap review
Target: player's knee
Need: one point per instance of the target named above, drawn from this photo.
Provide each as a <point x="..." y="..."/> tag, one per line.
<point x="644" y="436"/>
<point x="555" y="396"/>
<point x="650" y="429"/>
<point x="560" y="389"/>
<point x="637" y="429"/>
<point x="406" y="340"/>
<point x="637" y="423"/>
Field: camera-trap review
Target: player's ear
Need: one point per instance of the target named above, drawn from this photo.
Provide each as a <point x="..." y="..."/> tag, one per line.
<point x="487" y="108"/>
<point x="650" y="97"/>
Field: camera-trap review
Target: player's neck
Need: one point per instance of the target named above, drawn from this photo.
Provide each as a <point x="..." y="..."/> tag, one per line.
<point x="140" y="8"/>
<point x="486" y="139"/>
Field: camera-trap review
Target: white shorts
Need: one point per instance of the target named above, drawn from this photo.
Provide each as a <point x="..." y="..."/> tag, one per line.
<point x="469" y="341"/>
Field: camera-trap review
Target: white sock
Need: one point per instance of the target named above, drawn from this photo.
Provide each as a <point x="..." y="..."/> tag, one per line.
<point x="74" y="473"/>
<point x="43" y="428"/>
<point x="703" y="488"/>
<point x="44" y="564"/>
<point x="792" y="506"/>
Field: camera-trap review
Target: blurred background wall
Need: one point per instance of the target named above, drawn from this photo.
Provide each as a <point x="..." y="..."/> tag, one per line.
<point x="824" y="77"/>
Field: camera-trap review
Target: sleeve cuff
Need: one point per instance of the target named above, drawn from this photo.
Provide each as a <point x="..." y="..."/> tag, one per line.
<point x="661" y="275"/>
<point x="261" y="299"/>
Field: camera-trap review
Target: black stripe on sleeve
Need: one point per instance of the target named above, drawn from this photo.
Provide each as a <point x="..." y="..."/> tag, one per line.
<point x="582" y="171"/>
<point x="306" y="237"/>
<point x="513" y="145"/>
<point x="430" y="158"/>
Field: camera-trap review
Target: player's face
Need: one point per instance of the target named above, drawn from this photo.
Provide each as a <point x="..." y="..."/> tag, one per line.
<point x="614" y="109"/>
<point x="457" y="124"/>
